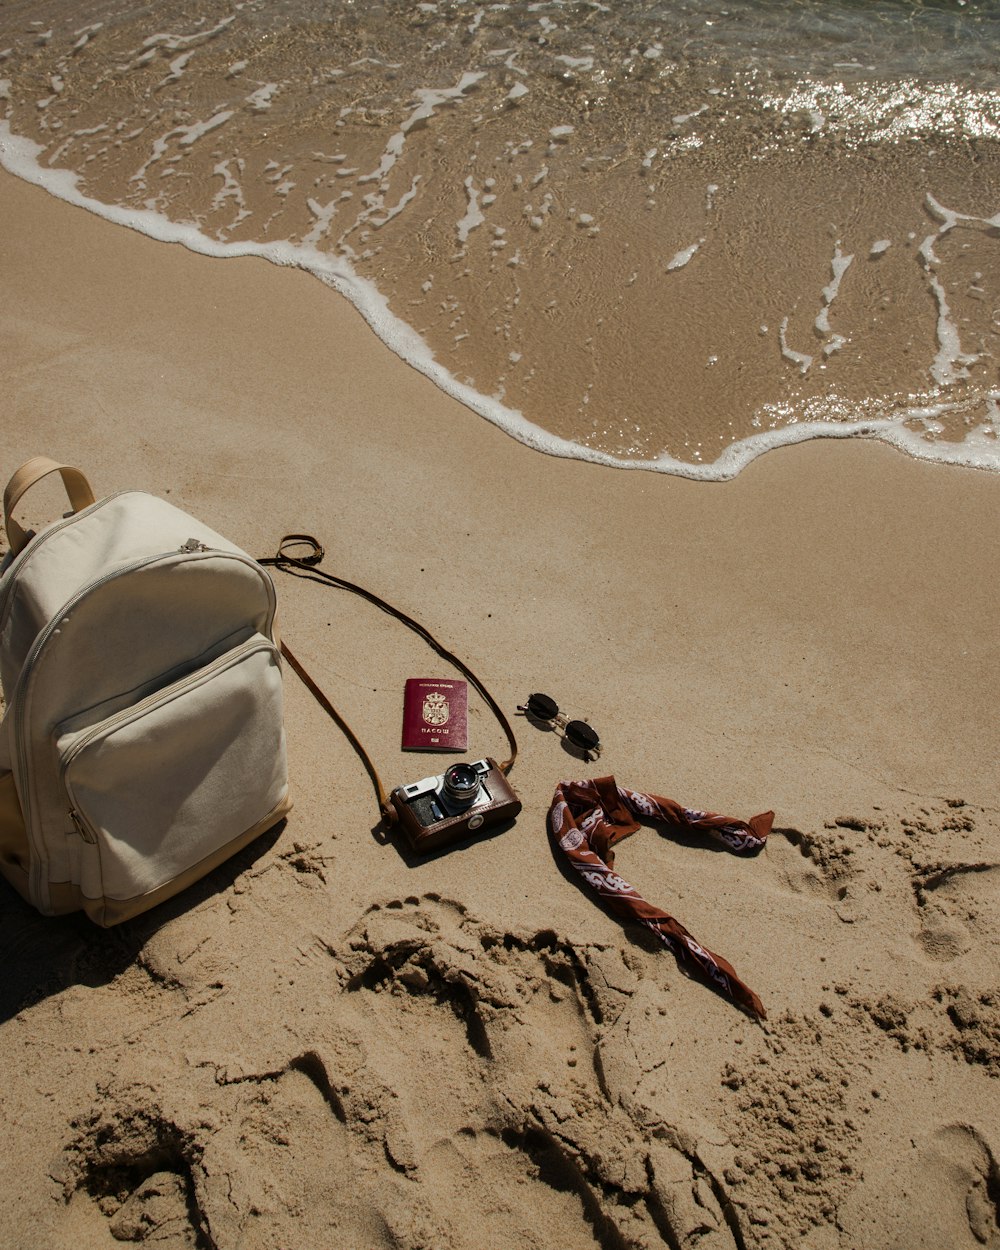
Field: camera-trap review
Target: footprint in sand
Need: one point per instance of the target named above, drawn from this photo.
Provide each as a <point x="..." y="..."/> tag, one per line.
<point x="467" y="1089"/>
<point x="948" y="1196"/>
<point x="271" y="1164"/>
<point x="821" y="866"/>
<point x="131" y="1169"/>
<point x="974" y="1020"/>
<point x="510" y="1103"/>
<point x="289" y="1166"/>
<point x="958" y="905"/>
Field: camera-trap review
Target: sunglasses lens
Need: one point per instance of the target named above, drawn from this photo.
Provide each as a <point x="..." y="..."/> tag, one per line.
<point x="542" y="706"/>
<point x="581" y="735"/>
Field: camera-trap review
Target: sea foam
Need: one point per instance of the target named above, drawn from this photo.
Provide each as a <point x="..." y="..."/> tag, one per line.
<point x="580" y="226"/>
<point x="19" y="156"/>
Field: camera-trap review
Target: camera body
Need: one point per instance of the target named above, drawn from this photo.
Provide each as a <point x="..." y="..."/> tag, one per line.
<point x="463" y="799"/>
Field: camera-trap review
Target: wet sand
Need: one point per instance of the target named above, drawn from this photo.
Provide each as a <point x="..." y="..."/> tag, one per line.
<point x="328" y="1043"/>
<point x="670" y="236"/>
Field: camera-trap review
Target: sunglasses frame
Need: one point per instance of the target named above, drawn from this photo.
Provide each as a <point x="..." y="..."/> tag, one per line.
<point x="568" y="729"/>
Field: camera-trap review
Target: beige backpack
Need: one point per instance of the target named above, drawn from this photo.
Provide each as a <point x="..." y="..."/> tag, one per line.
<point x="142" y="741"/>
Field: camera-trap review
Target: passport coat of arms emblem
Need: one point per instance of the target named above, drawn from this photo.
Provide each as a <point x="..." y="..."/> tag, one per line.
<point x="436" y="709"/>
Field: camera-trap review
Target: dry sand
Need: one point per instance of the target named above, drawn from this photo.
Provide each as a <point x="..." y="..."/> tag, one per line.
<point x="329" y="1045"/>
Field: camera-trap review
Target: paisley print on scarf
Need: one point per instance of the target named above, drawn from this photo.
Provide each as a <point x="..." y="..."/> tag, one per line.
<point x="587" y="819"/>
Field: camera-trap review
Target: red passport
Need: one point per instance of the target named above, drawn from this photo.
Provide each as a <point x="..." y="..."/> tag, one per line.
<point x="435" y="714"/>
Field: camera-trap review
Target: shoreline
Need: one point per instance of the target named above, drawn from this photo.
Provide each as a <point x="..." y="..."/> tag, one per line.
<point x="823" y="415"/>
<point x="816" y="636"/>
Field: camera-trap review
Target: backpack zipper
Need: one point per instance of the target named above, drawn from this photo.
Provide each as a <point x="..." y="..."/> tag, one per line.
<point x="23" y="557"/>
<point x="82" y="828"/>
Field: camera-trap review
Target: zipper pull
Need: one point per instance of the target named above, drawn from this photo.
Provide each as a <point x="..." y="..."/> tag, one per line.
<point x="81" y="828"/>
<point x="192" y="545"/>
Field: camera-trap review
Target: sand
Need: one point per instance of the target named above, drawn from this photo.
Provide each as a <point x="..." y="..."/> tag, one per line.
<point x="330" y="1044"/>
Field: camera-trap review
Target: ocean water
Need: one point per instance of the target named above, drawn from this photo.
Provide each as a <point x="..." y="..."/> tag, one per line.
<point x="669" y="235"/>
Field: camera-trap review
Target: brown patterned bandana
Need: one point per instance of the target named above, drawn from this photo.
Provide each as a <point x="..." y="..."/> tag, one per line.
<point x="588" y="818"/>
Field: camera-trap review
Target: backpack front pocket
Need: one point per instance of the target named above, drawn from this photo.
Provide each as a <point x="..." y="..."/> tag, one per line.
<point x="162" y="786"/>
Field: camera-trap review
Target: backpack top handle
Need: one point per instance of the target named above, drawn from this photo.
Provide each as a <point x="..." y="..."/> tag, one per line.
<point x="78" y="490"/>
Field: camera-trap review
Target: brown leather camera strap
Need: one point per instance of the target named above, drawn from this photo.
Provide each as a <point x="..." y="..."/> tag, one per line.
<point x="385" y="806"/>
<point x="306" y="566"/>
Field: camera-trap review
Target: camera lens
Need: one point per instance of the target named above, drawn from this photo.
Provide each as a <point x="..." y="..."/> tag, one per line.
<point x="461" y="783"/>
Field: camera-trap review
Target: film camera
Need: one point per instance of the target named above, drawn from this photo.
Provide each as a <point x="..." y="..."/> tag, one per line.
<point x="464" y="798"/>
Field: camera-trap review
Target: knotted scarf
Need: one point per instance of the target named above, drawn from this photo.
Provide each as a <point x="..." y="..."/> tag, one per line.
<point x="587" y="818"/>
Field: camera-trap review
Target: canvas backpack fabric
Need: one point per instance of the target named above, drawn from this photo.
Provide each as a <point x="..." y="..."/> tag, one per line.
<point x="142" y="741"/>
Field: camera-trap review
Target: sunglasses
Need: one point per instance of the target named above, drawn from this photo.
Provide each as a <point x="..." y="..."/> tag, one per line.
<point x="577" y="733"/>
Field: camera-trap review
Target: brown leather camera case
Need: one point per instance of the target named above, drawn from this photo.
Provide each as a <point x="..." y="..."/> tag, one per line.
<point x="504" y="805"/>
